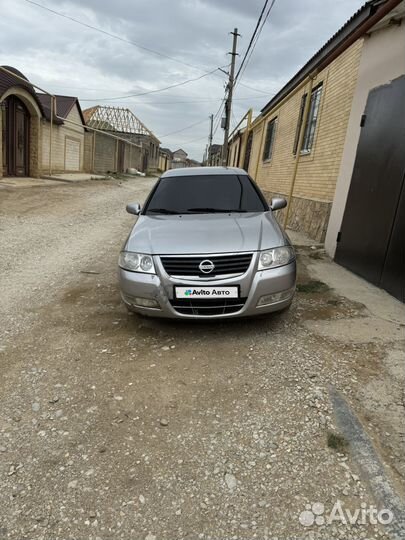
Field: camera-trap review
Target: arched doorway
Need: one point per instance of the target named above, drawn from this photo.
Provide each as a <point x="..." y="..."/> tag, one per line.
<point x="16" y="136"/>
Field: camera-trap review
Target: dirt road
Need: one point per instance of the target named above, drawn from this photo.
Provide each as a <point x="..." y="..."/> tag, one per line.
<point x="114" y="426"/>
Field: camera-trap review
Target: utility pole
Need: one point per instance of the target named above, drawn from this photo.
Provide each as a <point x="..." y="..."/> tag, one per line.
<point x="228" y="102"/>
<point x="210" y="140"/>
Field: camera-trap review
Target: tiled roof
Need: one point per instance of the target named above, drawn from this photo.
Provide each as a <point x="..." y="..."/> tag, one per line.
<point x="7" y="81"/>
<point x="64" y="104"/>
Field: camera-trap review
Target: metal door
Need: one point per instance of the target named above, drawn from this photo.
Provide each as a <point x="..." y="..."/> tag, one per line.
<point x="371" y="240"/>
<point x="21" y="140"/>
<point x="72" y="154"/>
<point x="16" y="137"/>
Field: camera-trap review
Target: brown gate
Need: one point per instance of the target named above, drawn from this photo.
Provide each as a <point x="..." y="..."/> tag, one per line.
<point x="16" y="137"/>
<point x="371" y="241"/>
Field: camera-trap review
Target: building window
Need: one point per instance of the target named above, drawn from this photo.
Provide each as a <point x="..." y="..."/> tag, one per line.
<point x="310" y="127"/>
<point x="269" y="142"/>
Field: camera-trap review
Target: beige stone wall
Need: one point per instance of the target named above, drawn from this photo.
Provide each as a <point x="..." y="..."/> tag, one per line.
<point x="1" y="142"/>
<point x="382" y="60"/>
<point x="35" y="146"/>
<point x="254" y="154"/>
<point x="59" y="135"/>
<point x="164" y="162"/>
<point x="318" y="170"/>
<point x="307" y="215"/>
<point x="132" y="157"/>
<point x="88" y="152"/>
<point x="234" y="152"/>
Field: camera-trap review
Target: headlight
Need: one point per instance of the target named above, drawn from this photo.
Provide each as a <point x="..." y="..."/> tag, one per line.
<point x="136" y="262"/>
<point x="271" y="258"/>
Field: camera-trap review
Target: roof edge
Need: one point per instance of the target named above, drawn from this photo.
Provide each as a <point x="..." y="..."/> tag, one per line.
<point x="364" y="13"/>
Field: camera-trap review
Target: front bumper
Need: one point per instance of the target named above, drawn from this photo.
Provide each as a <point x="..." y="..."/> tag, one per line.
<point x="253" y="285"/>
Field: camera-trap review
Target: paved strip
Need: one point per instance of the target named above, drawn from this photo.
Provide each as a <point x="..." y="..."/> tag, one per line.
<point x="365" y="455"/>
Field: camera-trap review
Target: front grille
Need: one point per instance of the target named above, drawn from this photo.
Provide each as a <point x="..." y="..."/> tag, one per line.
<point x="208" y="307"/>
<point x="224" y="264"/>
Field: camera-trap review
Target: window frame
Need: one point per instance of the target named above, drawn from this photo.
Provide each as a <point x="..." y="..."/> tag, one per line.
<point x="311" y="123"/>
<point x="267" y="156"/>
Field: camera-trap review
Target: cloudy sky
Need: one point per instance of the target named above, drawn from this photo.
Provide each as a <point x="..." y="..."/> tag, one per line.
<point x="67" y="58"/>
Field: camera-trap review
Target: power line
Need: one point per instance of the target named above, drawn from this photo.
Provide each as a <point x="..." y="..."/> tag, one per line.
<point x="115" y="36"/>
<point x="219" y="116"/>
<point x="208" y="100"/>
<point x="257" y="38"/>
<point x="130" y="42"/>
<point x="252" y="39"/>
<point x="114" y="98"/>
<point x="194" y="140"/>
<point x="183" y="129"/>
<point x="252" y="88"/>
<point x="216" y="115"/>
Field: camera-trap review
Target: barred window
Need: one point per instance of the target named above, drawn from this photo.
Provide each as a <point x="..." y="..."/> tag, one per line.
<point x="269" y="142"/>
<point x="310" y="127"/>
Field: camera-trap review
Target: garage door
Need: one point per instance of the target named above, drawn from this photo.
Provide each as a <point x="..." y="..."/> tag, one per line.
<point x="72" y="155"/>
<point x="371" y="241"/>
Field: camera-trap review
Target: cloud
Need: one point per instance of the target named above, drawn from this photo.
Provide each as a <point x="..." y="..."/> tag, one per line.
<point x="66" y="58"/>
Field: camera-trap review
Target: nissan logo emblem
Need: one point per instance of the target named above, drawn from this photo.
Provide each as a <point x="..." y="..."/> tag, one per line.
<point x="206" y="266"/>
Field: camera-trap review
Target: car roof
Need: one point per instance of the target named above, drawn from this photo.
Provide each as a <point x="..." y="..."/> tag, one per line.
<point x="199" y="171"/>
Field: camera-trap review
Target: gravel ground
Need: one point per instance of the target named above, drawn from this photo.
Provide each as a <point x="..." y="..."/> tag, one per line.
<point x="115" y="426"/>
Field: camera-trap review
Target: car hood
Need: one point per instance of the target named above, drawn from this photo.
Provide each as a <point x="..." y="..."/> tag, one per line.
<point x="205" y="233"/>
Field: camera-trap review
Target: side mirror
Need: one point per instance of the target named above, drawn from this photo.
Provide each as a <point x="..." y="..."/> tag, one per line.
<point x="134" y="208"/>
<point x="277" y="203"/>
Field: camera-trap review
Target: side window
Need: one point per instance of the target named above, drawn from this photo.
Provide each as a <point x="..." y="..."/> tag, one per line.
<point x="312" y="120"/>
<point x="269" y="142"/>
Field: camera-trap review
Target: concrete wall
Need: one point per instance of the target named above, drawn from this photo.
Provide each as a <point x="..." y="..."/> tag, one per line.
<point x="132" y="157"/>
<point x="105" y="153"/>
<point x="105" y="158"/>
<point x="382" y="59"/>
<point x="165" y="162"/>
<point x="88" y="152"/>
<point x="234" y="152"/>
<point x="317" y="170"/>
<point x="61" y="135"/>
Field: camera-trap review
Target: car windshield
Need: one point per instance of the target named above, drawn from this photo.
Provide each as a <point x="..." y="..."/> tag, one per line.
<point x="205" y="194"/>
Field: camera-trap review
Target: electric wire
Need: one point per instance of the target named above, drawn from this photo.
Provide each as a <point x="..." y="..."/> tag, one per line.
<point x="183" y="129"/>
<point x="115" y="36"/>
<point x="115" y="98"/>
<point x="240" y="73"/>
<point x="252" y="39"/>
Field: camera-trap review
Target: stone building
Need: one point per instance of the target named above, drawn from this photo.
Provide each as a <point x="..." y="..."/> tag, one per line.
<point x="216" y="155"/>
<point x="366" y="229"/>
<point x="179" y="159"/>
<point x="132" y="144"/>
<point x="165" y="159"/>
<point x="302" y="162"/>
<point x="25" y="115"/>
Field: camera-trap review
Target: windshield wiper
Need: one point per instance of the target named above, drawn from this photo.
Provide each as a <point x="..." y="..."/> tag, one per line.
<point x="209" y="210"/>
<point x="163" y="211"/>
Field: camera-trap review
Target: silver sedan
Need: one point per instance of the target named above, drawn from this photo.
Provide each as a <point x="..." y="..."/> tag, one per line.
<point x="206" y="245"/>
